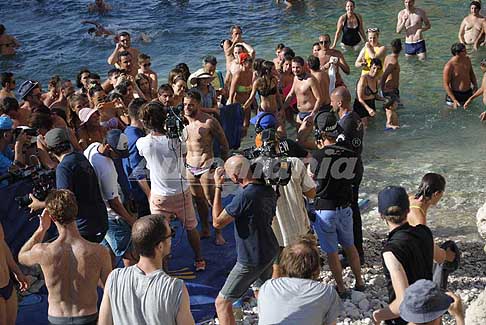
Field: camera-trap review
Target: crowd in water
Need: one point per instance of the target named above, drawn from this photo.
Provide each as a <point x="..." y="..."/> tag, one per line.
<point x="134" y="152"/>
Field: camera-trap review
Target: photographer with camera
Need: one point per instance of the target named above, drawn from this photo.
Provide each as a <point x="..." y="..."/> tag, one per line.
<point x="75" y="173"/>
<point x="333" y="168"/>
<point x="169" y="190"/>
<point x="252" y="210"/>
<point x="7" y="156"/>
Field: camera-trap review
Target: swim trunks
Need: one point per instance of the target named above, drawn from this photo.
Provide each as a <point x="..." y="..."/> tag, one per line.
<point x="461" y="97"/>
<point x="6" y="292"/>
<point x="361" y="110"/>
<point x="324" y="108"/>
<point x="198" y="171"/>
<point x="79" y="320"/>
<point x="392" y="93"/>
<point x="415" y="48"/>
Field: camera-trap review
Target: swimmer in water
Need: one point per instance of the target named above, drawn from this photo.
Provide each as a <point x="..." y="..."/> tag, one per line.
<point x="98" y="30"/>
<point x="471" y="26"/>
<point x="351" y="26"/>
<point x="99" y="6"/>
<point x="8" y="43"/>
<point x="480" y="91"/>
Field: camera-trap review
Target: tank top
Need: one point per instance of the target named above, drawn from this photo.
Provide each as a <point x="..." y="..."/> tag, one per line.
<point x="139" y="298"/>
<point x="351" y="36"/>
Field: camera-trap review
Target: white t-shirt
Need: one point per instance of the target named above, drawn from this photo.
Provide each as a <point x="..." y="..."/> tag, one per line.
<point x="105" y="171"/>
<point x="291" y="220"/>
<point x="165" y="162"/>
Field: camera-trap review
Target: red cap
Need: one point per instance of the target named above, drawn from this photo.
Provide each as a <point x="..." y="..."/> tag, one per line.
<point x="243" y="57"/>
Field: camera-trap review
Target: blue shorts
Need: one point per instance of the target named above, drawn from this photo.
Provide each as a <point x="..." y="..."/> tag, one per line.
<point x="415" y="48"/>
<point x="118" y="238"/>
<point x="333" y="227"/>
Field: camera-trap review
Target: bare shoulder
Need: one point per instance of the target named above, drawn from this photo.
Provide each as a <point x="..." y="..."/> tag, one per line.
<point x="421" y="12"/>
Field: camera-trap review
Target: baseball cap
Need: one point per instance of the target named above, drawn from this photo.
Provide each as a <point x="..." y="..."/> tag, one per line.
<point x="326" y="122"/>
<point x="244" y="56"/>
<point x="56" y="137"/>
<point x="6" y="123"/>
<point x="424" y="302"/>
<point x="118" y="142"/>
<point x="26" y="87"/>
<point x="267" y="121"/>
<point x="85" y="113"/>
<point x="392" y="196"/>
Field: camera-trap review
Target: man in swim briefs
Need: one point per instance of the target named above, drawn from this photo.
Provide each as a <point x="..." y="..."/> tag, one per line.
<point x="306" y="88"/>
<point x="200" y="164"/>
<point x="458" y="76"/>
<point x="415" y="22"/>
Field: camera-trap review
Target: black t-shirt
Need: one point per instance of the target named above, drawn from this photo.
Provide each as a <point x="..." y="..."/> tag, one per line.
<point x="353" y="132"/>
<point x="414" y="249"/>
<point x="334" y="170"/>
<point x="291" y="148"/>
<point x="253" y="208"/>
<point x="76" y="174"/>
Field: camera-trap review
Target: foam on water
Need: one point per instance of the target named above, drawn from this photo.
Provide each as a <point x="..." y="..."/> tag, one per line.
<point x="432" y="138"/>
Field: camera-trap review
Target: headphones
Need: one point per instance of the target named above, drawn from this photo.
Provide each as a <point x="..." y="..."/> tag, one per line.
<point x="258" y="127"/>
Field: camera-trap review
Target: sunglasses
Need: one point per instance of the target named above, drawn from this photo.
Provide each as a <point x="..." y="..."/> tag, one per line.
<point x="373" y="30"/>
<point x="325" y="42"/>
<point x="147" y="64"/>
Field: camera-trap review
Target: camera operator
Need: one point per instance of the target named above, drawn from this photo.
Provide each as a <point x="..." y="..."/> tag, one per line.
<point x="75" y="173"/>
<point x="334" y="170"/>
<point x="7" y="156"/>
<point x="252" y="209"/>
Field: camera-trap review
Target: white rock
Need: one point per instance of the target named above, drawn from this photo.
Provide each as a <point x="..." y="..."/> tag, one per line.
<point x="378" y="281"/>
<point x="364" y="305"/>
<point x="481" y="221"/>
<point x="357" y="296"/>
<point x="476" y="313"/>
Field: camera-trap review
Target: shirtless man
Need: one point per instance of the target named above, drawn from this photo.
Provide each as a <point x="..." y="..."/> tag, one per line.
<point x="470" y="30"/>
<point x="332" y="61"/>
<point x="458" y="76"/>
<point x="123" y="44"/>
<point x="201" y="131"/>
<point x="8" y="296"/>
<point x="306" y="88"/>
<point x="144" y="64"/>
<point x="323" y="79"/>
<point x="390" y="83"/>
<point x="99" y="6"/>
<point x="126" y="62"/>
<point x="7" y="81"/>
<point x="229" y="46"/>
<point x="8" y="43"/>
<point x="71" y="265"/>
<point x="415" y="22"/>
<point x="480" y="91"/>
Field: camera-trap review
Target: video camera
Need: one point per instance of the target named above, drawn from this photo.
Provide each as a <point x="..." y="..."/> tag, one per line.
<point x="175" y="122"/>
<point x="269" y="162"/>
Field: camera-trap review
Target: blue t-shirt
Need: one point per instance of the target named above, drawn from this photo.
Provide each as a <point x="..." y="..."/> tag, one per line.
<point x="131" y="163"/>
<point x="75" y="173"/>
<point x="253" y="208"/>
<point x="6" y="159"/>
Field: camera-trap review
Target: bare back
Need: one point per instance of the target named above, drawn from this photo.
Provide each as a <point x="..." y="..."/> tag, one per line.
<point x="72" y="269"/>
<point x="392" y="72"/>
<point x="323" y="80"/>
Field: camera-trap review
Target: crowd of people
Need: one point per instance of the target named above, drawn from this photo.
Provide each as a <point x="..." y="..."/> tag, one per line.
<point x="133" y="154"/>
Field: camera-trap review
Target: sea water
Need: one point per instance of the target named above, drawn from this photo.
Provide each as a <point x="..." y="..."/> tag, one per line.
<point x="432" y="138"/>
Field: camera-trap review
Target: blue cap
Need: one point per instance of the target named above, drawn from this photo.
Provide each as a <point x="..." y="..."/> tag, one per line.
<point x="118" y="142"/>
<point x="424" y="302"/>
<point x="266" y="122"/>
<point x="393" y="196"/>
<point x="6" y="123"/>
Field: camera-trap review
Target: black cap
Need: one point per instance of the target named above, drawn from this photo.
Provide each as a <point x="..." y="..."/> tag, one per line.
<point x="56" y="137"/>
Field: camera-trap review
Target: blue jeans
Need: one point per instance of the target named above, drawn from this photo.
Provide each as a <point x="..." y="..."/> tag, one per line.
<point x="118" y="238"/>
<point x="333" y="227"/>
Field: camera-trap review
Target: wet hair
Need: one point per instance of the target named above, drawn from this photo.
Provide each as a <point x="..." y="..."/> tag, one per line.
<point x="313" y="63"/>
<point x="127" y="34"/>
<point x="148" y="232"/>
<point x="173" y="74"/>
<point x="78" y="77"/>
<point x="165" y="88"/>
<point x="62" y="206"/>
<point x="279" y="47"/>
<point x="396" y="45"/>
<point x="143" y="56"/>
<point x="185" y="70"/>
<point x="153" y="116"/>
<point x="9" y="104"/>
<point x="6" y="77"/>
<point x="113" y="72"/>
<point x="210" y="59"/>
<point x="299" y="60"/>
<point x="376" y="62"/>
<point x="265" y="75"/>
<point x="287" y="51"/>
<point x="430" y="184"/>
<point x="457" y="48"/>
<point x="475" y="3"/>
<point x="122" y="54"/>
<point x="41" y="120"/>
<point x="134" y="107"/>
<point x="2" y="29"/>
<point x="235" y="27"/>
<point x="193" y="94"/>
<point x="54" y="82"/>
<point x="257" y="64"/>
<point x="301" y="259"/>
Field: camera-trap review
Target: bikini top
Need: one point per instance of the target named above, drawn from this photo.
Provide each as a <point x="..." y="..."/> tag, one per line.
<point x="369" y="91"/>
